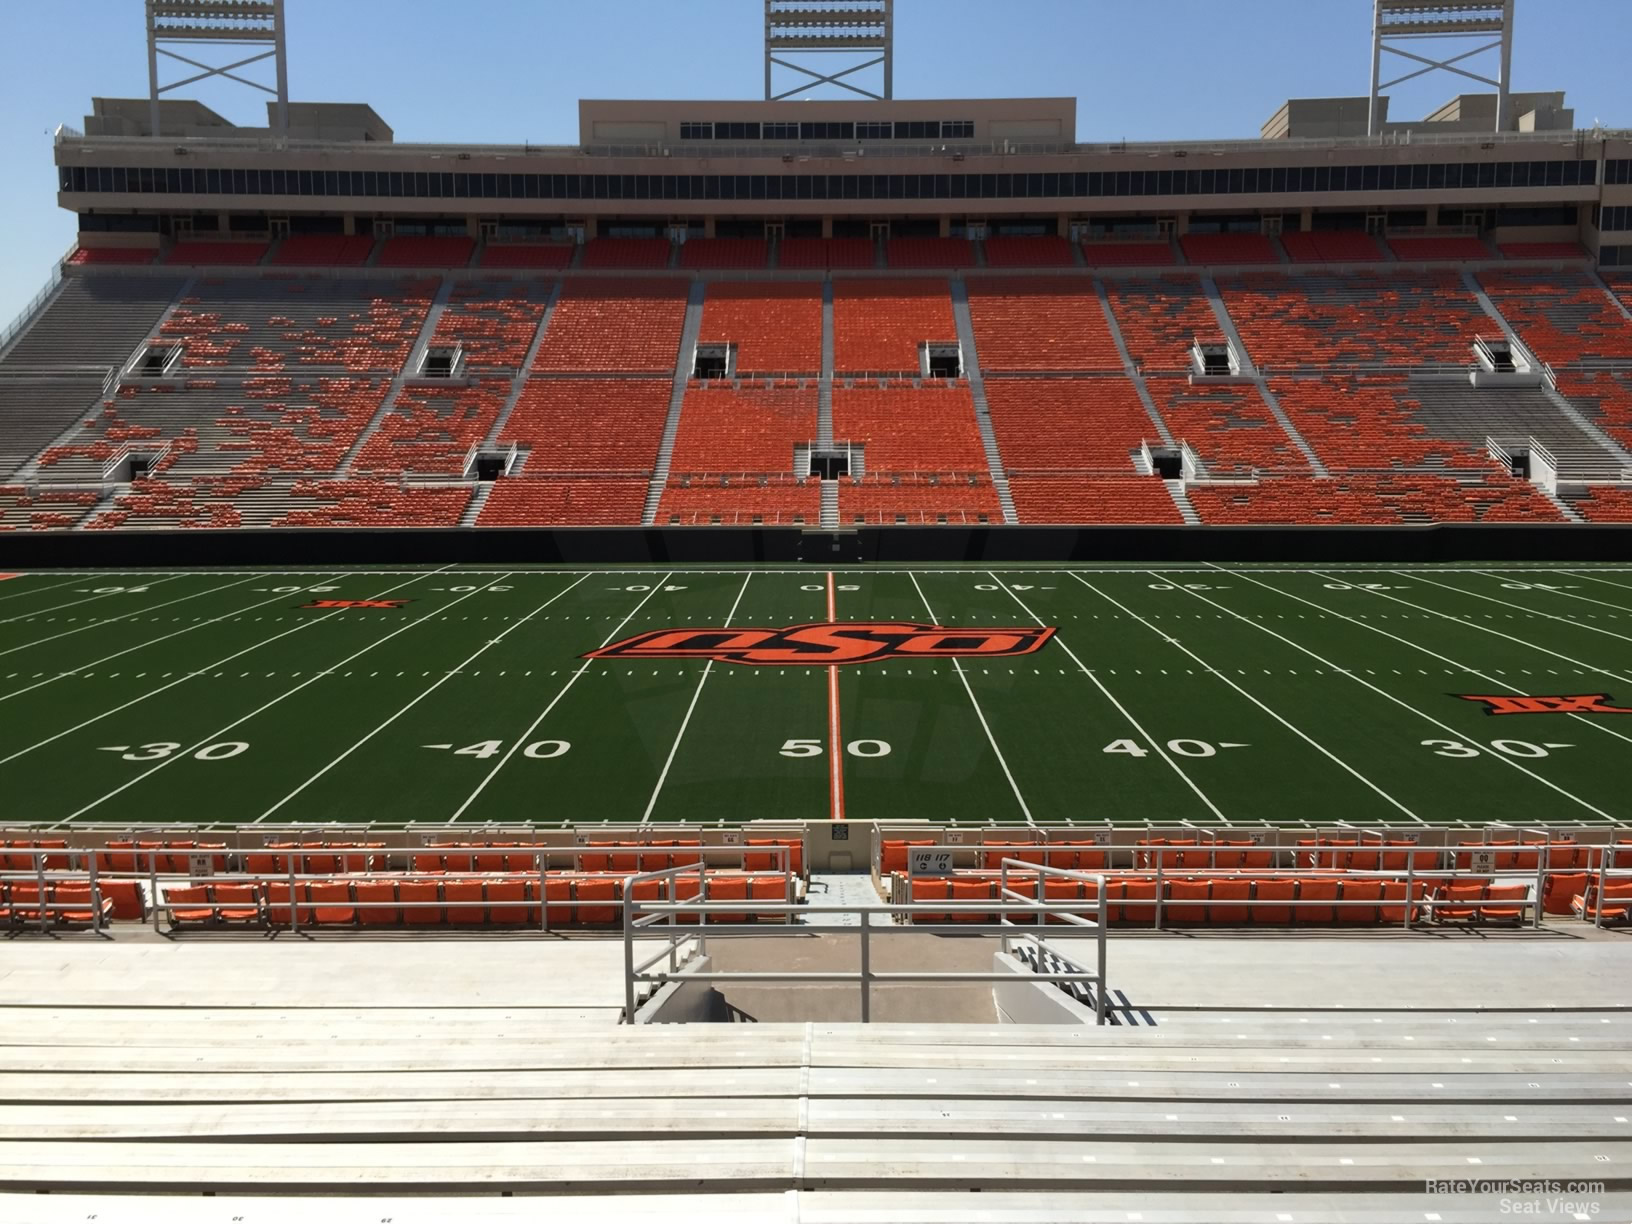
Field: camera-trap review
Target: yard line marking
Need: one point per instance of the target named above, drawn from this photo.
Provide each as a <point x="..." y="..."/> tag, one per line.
<point x="426" y="693"/>
<point x="284" y="696"/>
<point x="979" y="713"/>
<point x="143" y="645"/>
<point x="113" y="620"/>
<point x="1619" y="586"/>
<point x="1384" y="693"/>
<point x="708" y="670"/>
<point x="556" y="700"/>
<point x="1595" y="725"/>
<point x="1120" y="708"/>
<point x="184" y="678"/>
<point x="835" y="741"/>
<point x="76" y="603"/>
<point x="1321" y="748"/>
<point x="1532" y="611"/>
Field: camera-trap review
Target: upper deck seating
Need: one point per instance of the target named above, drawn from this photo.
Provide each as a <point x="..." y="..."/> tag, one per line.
<point x="268" y="326"/>
<point x="1029" y="323"/>
<point x="1068" y="424"/>
<point x="1161" y="318"/>
<point x="423" y="252"/>
<point x="432" y="431"/>
<point x="1398" y="320"/>
<point x="725" y="253"/>
<point x="647" y="253"/>
<point x="323" y="251"/>
<point x="777" y="327"/>
<point x="615" y="326"/>
<point x="1217" y="249"/>
<point x="1542" y="250"/>
<point x="1230" y="427"/>
<point x="826" y="253"/>
<point x="930" y="253"/>
<point x="1029" y="251"/>
<point x="908" y="429"/>
<point x="585" y="425"/>
<point x="596" y="502"/>
<point x="1439" y="248"/>
<point x="90" y="257"/>
<point x="550" y="255"/>
<point x="752" y="429"/>
<point x="200" y="253"/>
<point x="886" y="500"/>
<point x="1091" y="499"/>
<point x="1605" y="398"/>
<point x="1562" y="316"/>
<point x="495" y="321"/>
<point x="1129" y="254"/>
<point x="740" y="502"/>
<point x="1332" y="246"/>
<point x="879" y="325"/>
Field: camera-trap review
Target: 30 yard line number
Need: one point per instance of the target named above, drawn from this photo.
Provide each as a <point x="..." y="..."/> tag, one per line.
<point x="1457" y="750"/>
<point x="164" y="750"/>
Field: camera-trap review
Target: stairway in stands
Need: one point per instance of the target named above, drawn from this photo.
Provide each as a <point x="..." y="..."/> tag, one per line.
<point x="689" y="333"/>
<point x="433" y="317"/>
<point x="520" y="383"/>
<point x="824" y="406"/>
<point x="977" y="389"/>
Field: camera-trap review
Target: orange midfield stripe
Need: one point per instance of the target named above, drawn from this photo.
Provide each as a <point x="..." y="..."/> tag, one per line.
<point x="835" y="745"/>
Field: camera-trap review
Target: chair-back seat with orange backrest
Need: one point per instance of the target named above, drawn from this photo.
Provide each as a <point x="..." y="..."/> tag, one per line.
<point x="331" y="903"/>
<point x="74" y="905"/>
<point x="929" y="888"/>
<point x="421" y="902"/>
<point x="1186" y="903"/>
<point x="771" y="888"/>
<point x="1270" y="902"/>
<point x="382" y="893"/>
<point x="722" y="887"/>
<point x="1315" y="890"/>
<point x="237" y="904"/>
<point x="428" y="862"/>
<point x="1360" y="890"/>
<point x="1558" y="888"/>
<point x="189" y="906"/>
<point x="993" y="851"/>
<point x="1459" y="902"/>
<point x="1393" y="908"/>
<point x="128" y="897"/>
<point x="597" y="902"/>
<point x="1230" y="897"/>
<point x="971" y="890"/>
<point x="1139" y="901"/>
<point x="1504" y="903"/>
<point x="469" y="892"/>
<point x="490" y="862"/>
<point x="1614" y="906"/>
<point x="505" y="901"/>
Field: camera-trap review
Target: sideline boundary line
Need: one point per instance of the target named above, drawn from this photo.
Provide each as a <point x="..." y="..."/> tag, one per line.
<point x="991" y="739"/>
<point x="556" y="700"/>
<point x="1133" y="722"/>
<point x="674" y="748"/>
<point x="425" y="693"/>
<point x="1385" y="694"/>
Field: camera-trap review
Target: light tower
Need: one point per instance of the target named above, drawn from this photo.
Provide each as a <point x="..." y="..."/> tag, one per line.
<point x="218" y="23"/>
<point x="1412" y="21"/>
<point x="863" y="31"/>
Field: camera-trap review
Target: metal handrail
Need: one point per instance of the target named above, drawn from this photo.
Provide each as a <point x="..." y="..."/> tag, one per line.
<point x="663" y="918"/>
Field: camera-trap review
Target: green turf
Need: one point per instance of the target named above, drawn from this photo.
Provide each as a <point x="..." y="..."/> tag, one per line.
<point x="1329" y="688"/>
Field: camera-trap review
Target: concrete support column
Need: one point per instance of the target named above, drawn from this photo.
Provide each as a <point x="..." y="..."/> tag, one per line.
<point x="1307" y="221"/>
<point x="827" y="227"/>
<point x="708" y="227"/>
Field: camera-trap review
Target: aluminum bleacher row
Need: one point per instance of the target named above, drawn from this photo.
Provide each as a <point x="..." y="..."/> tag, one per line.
<point x="293" y="399"/>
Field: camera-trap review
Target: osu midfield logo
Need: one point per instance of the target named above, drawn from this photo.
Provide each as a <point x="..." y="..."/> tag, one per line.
<point x="826" y="645"/>
<point x="336" y="604"/>
<point x="1587" y="703"/>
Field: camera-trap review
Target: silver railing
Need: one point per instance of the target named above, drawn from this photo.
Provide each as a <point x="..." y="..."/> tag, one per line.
<point x="662" y="921"/>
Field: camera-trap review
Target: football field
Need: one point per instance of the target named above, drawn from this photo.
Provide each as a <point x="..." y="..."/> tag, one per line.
<point x="1077" y="693"/>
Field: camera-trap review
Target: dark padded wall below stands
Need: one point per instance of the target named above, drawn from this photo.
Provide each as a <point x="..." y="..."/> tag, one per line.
<point x="1562" y="543"/>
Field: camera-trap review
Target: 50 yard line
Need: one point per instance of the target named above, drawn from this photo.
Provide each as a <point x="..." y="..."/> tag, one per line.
<point x="835" y="744"/>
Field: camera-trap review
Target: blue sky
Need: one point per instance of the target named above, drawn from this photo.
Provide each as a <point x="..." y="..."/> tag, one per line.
<point x="513" y="70"/>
